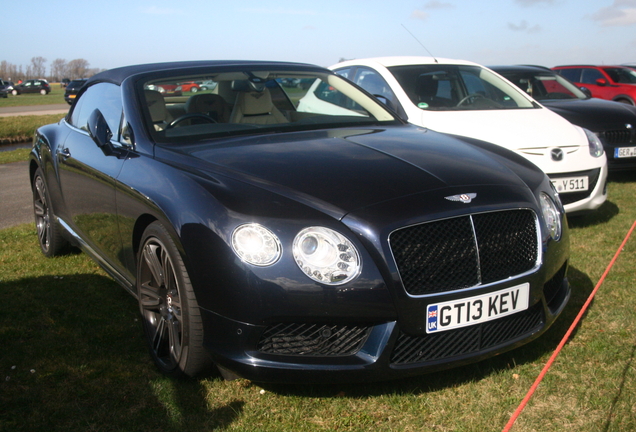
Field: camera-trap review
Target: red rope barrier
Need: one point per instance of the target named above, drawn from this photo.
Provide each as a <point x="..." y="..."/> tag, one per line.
<point x="525" y="400"/>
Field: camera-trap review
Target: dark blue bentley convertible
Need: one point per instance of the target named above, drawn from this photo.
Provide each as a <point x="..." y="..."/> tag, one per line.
<point x="298" y="232"/>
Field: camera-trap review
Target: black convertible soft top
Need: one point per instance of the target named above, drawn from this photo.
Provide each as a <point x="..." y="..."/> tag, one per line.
<point x="118" y="75"/>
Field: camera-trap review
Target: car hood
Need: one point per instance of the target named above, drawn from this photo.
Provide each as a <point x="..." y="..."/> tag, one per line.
<point x="338" y="171"/>
<point x="594" y="114"/>
<point x="514" y="129"/>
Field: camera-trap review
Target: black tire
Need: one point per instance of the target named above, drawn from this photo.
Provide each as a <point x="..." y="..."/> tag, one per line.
<point x="625" y="101"/>
<point x="170" y="313"/>
<point x="50" y="238"/>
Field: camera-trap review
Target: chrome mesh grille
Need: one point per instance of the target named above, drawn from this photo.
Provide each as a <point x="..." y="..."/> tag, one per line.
<point x="461" y="252"/>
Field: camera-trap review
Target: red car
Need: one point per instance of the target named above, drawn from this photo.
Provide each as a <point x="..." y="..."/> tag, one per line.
<point x="166" y="89"/>
<point x="189" y="87"/>
<point x="616" y="83"/>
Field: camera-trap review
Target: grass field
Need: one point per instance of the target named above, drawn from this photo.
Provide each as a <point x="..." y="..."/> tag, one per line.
<point x="56" y="96"/>
<point x="73" y="358"/>
<point x="21" y="128"/>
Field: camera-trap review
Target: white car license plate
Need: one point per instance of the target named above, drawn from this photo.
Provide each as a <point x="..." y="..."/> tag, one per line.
<point x="571" y="184"/>
<point x="474" y="310"/>
<point x="625" y="152"/>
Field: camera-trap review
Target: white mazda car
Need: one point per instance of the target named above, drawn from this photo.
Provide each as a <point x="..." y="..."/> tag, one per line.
<point x="464" y="98"/>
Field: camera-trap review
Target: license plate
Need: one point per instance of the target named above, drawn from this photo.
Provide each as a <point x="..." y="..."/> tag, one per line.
<point x="625" y="152"/>
<point x="71" y="96"/>
<point x="571" y="184"/>
<point x="478" y="309"/>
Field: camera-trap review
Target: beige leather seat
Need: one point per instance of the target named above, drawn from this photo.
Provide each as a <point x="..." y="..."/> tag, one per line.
<point x="157" y="107"/>
<point x="256" y="108"/>
<point x="212" y="105"/>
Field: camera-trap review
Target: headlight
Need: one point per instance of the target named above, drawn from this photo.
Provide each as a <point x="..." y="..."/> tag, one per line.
<point x="256" y="245"/>
<point x="326" y="256"/>
<point x="551" y="216"/>
<point x="595" y="144"/>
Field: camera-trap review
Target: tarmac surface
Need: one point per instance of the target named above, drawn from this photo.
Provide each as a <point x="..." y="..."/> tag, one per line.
<point x="15" y="195"/>
<point x="16" y="205"/>
<point x="34" y="110"/>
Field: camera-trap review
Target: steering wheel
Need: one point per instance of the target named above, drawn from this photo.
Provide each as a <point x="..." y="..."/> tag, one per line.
<point x="471" y="96"/>
<point x="174" y="122"/>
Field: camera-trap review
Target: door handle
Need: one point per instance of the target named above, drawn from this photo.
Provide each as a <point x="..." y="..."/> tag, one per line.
<point x="64" y="153"/>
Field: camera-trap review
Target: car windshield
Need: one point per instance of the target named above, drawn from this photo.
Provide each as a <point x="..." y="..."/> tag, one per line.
<point x="189" y="108"/>
<point x="545" y="86"/>
<point x="76" y="84"/>
<point x="439" y="87"/>
<point x="622" y="75"/>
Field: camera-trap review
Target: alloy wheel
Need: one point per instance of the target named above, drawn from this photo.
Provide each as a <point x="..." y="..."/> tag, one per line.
<point x="42" y="214"/>
<point x="160" y="302"/>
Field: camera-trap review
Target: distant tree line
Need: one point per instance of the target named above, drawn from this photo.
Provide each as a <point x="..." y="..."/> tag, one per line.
<point x="60" y="69"/>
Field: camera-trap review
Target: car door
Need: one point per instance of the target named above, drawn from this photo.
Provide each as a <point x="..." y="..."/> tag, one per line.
<point x="598" y="83"/>
<point x="87" y="173"/>
<point x="27" y="87"/>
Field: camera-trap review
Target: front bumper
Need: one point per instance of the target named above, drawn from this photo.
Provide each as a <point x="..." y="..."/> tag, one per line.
<point x="580" y="202"/>
<point x="270" y="328"/>
<point x="320" y="351"/>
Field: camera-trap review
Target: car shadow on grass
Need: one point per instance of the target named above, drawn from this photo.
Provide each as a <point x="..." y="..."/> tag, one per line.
<point x="73" y="350"/>
<point x="603" y="214"/>
<point x="82" y="337"/>
<point x="622" y="176"/>
<point x="581" y="285"/>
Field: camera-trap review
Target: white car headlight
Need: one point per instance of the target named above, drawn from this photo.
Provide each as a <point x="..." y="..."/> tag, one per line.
<point x="595" y="144"/>
<point x="551" y="216"/>
<point x="326" y="256"/>
<point x="256" y="245"/>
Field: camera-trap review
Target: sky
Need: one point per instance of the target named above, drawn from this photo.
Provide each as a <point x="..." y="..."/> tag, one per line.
<point x="116" y="33"/>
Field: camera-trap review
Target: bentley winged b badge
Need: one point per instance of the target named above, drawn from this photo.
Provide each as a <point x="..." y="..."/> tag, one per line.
<point x="465" y="198"/>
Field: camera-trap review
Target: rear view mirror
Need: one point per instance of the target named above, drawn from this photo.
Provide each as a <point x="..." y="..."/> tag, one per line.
<point x="98" y="129"/>
<point x="587" y="91"/>
<point x="601" y="82"/>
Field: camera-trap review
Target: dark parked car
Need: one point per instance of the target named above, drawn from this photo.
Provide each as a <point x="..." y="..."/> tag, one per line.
<point x="333" y="244"/>
<point x="612" y="122"/>
<point x="32" y="86"/>
<point x="6" y="87"/>
<point x="72" y="88"/>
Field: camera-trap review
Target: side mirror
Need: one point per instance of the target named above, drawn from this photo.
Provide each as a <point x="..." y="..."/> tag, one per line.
<point x="384" y="100"/>
<point x="587" y="91"/>
<point x="387" y="103"/>
<point x="601" y="81"/>
<point x="98" y="129"/>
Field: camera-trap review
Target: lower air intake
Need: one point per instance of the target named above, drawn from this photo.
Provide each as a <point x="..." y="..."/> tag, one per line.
<point x="313" y="339"/>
